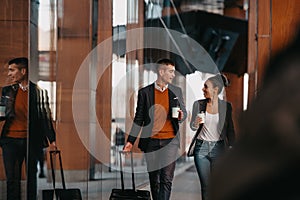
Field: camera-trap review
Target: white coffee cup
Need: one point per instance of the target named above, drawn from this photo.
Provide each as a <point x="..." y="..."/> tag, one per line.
<point x="202" y="116"/>
<point x="175" y="112"/>
<point x="2" y="111"/>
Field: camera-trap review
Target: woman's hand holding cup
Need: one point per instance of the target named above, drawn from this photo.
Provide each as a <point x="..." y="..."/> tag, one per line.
<point x="199" y="119"/>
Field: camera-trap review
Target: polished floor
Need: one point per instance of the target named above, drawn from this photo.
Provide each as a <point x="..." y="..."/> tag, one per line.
<point x="185" y="186"/>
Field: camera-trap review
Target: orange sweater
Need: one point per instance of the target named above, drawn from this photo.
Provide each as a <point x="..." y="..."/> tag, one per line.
<point x="162" y="126"/>
<point x="18" y="127"/>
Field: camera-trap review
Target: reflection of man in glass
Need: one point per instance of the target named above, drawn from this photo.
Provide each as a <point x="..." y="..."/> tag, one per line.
<point x="159" y="139"/>
<point x="27" y="129"/>
<point x="120" y="136"/>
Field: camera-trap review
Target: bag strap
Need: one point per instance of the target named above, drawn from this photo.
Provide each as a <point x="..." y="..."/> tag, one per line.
<point x="202" y="107"/>
<point x="197" y="132"/>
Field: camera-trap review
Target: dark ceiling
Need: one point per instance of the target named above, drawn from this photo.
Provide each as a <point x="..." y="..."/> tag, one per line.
<point x="224" y="38"/>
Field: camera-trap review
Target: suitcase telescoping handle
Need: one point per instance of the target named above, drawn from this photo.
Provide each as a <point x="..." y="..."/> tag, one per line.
<point x="54" y="152"/>
<point x="121" y="169"/>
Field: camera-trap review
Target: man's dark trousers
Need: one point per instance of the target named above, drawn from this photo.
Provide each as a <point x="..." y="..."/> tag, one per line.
<point x="14" y="153"/>
<point x="161" y="158"/>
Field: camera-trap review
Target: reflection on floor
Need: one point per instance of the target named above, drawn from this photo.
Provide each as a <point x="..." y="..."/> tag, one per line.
<point x="185" y="186"/>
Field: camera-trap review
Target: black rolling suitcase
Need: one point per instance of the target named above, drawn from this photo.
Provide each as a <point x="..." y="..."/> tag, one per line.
<point x="60" y="193"/>
<point x="128" y="194"/>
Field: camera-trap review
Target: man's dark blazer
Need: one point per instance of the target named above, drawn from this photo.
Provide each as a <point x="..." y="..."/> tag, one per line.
<point x="144" y="114"/>
<point x="225" y="119"/>
<point x="40" y="122"/>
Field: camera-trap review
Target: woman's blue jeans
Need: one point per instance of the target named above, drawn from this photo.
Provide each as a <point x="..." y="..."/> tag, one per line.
<point x="205" y="155"/>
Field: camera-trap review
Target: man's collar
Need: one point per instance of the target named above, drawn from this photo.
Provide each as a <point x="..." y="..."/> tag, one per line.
<point x="160" y="88"/>
<point x="24" y="88"/>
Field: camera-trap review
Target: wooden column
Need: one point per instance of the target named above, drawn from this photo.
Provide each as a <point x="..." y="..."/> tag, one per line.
<point x="272" y="26"/>
<point x="263" y="36"/>
<point x="259" y="41"/>
<point x="104" y="89"/>
<point x="285" y="23"/>
<point x="73" y="45"/>
<point x="234" y="93"/>
<point x="252" y="51"/>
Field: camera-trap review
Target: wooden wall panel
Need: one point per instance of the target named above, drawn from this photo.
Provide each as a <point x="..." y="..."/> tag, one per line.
<point x="273" y="24"/>
<point x="75" y="19"/>
<point x="14" y="34"/>
<point x="73" y="46"/>
<point x="284" y="29"/>
<point x="71" y="54"/>
<point x="73" y="152"/>
<point x="259" y="44"/>
<point x="13" y="43"/>
<point x="252" y="51"/>
<point x="104" y="87"/>
<point x="234" y="94"/>
<point x="69" y="60"/>
<point x="263" y="39"/>
<point x="14" y="10"/>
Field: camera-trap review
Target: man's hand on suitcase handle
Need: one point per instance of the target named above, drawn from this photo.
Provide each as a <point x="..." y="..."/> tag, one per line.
<point x="53" y="146"/>
<point x="127" y="147"/>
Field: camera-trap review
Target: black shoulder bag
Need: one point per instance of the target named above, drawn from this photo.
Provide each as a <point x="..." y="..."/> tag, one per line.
<point x="190" y="152"/>
<point x="202" y="107"/>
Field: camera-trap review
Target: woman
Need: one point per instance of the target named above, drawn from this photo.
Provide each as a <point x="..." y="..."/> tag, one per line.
<point x="216" y="130"/>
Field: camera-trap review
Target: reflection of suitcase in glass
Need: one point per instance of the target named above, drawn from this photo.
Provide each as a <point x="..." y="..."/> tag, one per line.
<point x="60" y="193"/>
<point x="128" y="194"/>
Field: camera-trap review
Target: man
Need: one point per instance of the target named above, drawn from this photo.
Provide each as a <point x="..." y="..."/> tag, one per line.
<point x="159" y="138"/>
<point x="27" y="129"/>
